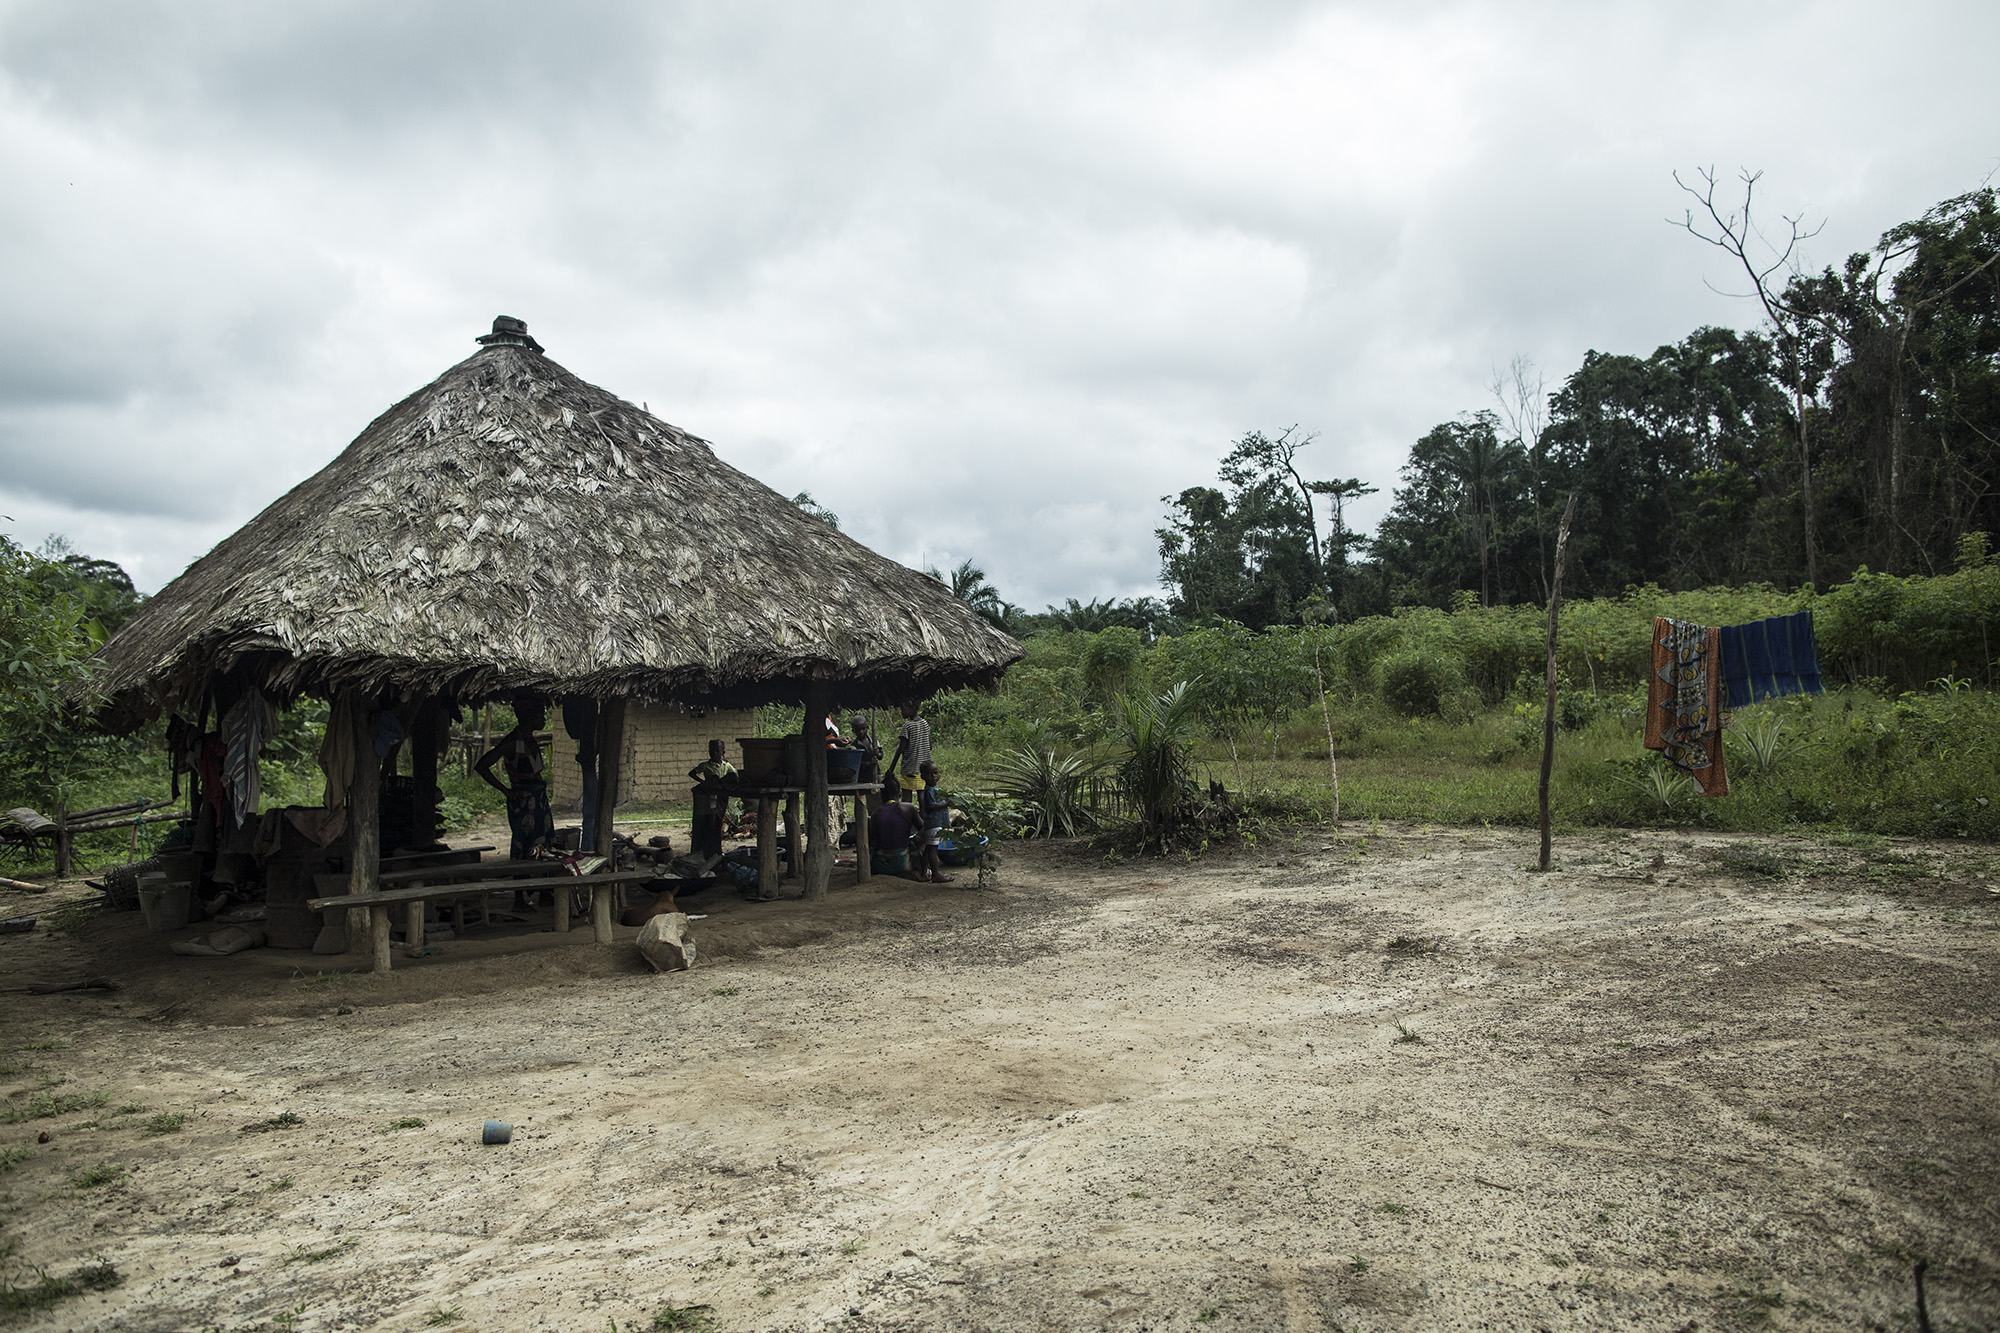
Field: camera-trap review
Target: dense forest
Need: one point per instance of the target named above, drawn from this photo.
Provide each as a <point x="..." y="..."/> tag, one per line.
<point x="1859" y="428"/>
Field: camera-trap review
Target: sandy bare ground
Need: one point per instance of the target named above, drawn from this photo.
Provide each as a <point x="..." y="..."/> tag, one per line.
<point x="1393" y="1082"/>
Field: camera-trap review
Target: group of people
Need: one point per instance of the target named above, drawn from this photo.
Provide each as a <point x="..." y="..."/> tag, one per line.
<point x="904" y="834"/>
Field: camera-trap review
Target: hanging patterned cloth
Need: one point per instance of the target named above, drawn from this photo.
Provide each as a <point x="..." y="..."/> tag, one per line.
<point x="1684" y="703"/>
<point x="248" y="725"/>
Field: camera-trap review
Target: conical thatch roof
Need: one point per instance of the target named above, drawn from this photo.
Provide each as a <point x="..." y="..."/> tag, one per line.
<point x="509" y="526"/>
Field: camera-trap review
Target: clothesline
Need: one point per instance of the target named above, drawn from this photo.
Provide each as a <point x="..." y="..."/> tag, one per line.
<point x="1698" y="671"/>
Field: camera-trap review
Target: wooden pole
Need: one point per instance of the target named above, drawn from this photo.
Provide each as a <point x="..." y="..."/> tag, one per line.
<point x="424" y="773"/>
<point x="1549" y="710"/>
<point x="364" y="812"/>
<point x="767" y="846"/>
<point x="610" y="757"/>
<point x="63" y="843"/>
<point x="819" y="839"/>
<point x="863" y="866"/>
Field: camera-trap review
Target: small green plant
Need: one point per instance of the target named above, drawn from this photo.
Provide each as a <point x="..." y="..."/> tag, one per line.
<point x="46" y="1291"/>
<point x="1357" y="1265"/>
<point x="43" y="1108"/>
<point x="443" y="1315"/>
<point x="165" y="1122"/>
<point x="407" y="1122"/>
<point x="854" y="1246"/>
<point x="765" y="1291"/>
<point x="1393" y="1209"/>
<point x="283" y="1120"/>
<point x="1558" y="1260"/>
<point x="281" y="1183"/>
<point x="1406" y="1035"/>
<point x="684" y="1318"/>
<point x="723" y="990"/>
<point x="291" y="1317"/>
<point x="1208" y="1315"/>
<point x="96" y="1177"/>
<point x="13" y="1155"/>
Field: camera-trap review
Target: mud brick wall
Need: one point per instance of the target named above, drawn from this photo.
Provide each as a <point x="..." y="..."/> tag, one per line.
<point x="662" y="742"/>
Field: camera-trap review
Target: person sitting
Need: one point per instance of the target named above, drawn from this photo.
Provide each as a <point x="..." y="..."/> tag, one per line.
<point x="710" y="807"/>
<point x="891" y="830"/>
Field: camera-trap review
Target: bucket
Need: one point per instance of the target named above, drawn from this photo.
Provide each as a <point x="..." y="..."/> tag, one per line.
<point x="761" y="754"/>
<point x="166" y="907"/>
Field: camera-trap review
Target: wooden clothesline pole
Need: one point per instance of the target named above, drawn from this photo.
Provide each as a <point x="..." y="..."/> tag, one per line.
<point x="1549" y="710"/>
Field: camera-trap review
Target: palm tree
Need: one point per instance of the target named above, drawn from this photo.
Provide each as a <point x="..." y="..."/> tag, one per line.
<point x="968" y="584"/>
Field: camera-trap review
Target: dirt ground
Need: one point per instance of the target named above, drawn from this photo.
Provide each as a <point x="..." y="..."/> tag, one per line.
<point x="1391" y="1080"/>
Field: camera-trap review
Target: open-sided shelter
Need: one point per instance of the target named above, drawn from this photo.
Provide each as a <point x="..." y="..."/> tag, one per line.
<point x="510" y="527"/>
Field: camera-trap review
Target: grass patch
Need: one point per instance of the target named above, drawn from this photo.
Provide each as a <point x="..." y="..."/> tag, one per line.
<point x="166" y="1122"/>
<point x="305" y="1256"/>
<point x="443" y="1315"/>
<point x="13" y="1155"/>
<point x="46" y="1291"/>
<point x="97" y="1177"/>
<point x="1404" y="1034"/>
<point x="723" y="990"/>
<point x="281" y="1183"/>
<point x="407" y="1122"/>
<point x="1393" y="1209"/>
<point x="684" y="1318"/>
<point x="47" y="1107"/>
<point x="283" y="1120"/>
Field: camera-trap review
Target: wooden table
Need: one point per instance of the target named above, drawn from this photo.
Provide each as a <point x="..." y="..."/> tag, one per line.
<point x="414" y="896"/>
<point x="767" y="825"/>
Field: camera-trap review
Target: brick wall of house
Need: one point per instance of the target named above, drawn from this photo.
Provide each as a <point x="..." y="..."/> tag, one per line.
<point x="662" y="742"/>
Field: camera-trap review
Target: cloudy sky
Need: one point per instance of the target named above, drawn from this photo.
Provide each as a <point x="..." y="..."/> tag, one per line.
<point x="988" y="280"/>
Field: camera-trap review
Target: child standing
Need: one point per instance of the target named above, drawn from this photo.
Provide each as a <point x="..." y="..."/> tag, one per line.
<point x="936" y="812"/>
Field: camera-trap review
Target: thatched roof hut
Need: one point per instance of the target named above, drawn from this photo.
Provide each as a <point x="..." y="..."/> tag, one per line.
<point x="510" y="526"/>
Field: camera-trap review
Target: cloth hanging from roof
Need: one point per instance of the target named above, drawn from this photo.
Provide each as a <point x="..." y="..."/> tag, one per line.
<point x="1683" y="702"/>
<point x="320" y="827"/>
<point x="1768" y="659"/>
<point x="336" y="751"/>
<point x="249" y="724"/>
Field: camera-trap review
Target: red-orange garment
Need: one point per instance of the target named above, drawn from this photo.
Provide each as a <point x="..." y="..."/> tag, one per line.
<point x="1672" y="717"/>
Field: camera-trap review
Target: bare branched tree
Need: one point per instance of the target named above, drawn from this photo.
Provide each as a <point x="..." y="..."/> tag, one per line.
<point x="1735" y="233"/>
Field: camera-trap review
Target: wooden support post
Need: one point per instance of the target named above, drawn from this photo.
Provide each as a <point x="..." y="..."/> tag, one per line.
<point x="610" y="758"/>
<point x="600" y="911"/>
<point x="413" y="926"/>
<point x="767" y="846"/>
<point x="424" y="772"/>
<point x="379" y="931"/>
<point x="1549" y="710"/>
<point x="819" y="838"/>
<point x="792" y="838"/>
<point x="364" y="821"/>
<point x="863" y="868"/>
<point x="65" y="843"/>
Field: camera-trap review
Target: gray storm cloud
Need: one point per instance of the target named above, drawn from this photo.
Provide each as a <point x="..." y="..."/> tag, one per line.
<point x="987" y="280"/>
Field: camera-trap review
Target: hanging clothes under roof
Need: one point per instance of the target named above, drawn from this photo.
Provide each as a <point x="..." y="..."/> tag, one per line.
<point x="1768" y="659"/>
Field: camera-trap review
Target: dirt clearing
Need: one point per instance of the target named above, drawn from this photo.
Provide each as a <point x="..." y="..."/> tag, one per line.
<point x="1383" y="1082"/>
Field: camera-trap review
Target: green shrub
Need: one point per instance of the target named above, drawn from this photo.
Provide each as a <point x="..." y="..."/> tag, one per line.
<point x="1416" y="684"/>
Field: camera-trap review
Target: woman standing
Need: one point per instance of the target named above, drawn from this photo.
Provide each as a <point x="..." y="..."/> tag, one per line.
<point x="526" y="789"/>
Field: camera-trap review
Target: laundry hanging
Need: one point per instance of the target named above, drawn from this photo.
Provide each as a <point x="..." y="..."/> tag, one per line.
<point x="1683" y="702"/>
<point x="1767" y="659"/>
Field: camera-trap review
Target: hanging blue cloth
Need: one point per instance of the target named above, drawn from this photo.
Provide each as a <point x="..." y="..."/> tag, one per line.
<point x="1767" y="659"/>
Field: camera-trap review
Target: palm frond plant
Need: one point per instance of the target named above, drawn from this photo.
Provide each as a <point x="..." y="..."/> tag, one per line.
<point x="1049" y="789"/>
<point x="1762" y="745"/>
<point x="1158" y="768"/>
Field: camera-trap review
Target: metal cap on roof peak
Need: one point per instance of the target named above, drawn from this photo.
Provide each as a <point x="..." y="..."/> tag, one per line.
<point x="508" y="332"/>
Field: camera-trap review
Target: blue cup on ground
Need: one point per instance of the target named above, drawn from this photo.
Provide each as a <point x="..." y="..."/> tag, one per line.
<point x="497" y="1131"/>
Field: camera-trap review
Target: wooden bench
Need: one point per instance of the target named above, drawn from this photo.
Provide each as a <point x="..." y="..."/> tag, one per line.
<point x="414" y="896"/>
